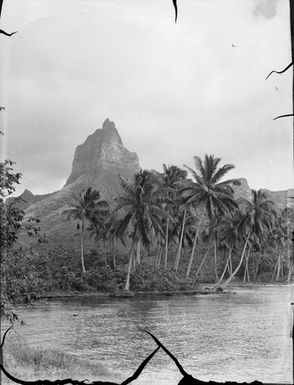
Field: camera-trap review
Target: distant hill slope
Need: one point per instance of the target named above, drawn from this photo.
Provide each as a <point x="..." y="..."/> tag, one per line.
<point x="280" y="198"/>
<point x="27" y="199"/>
<point x="97" y="163"/>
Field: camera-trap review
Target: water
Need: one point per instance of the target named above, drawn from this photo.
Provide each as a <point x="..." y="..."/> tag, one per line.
<point x="241" y="337"/>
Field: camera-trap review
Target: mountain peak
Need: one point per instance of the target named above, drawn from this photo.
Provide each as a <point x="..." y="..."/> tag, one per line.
<point x="27" y="193"/>
<point x="108" y="124"/>
<point x="109" y="132"/>
<point x="102" y="152"/>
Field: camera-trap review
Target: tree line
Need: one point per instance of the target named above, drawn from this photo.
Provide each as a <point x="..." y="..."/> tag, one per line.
<point x="166" y="213"/>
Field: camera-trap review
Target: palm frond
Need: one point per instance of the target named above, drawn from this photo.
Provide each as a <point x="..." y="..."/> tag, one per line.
<point x="221" y="172"/>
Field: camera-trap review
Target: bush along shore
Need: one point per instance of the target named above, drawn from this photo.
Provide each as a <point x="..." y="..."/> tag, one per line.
<point x="36" y="274"/>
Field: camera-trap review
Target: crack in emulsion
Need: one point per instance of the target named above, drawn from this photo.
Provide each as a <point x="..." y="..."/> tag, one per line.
<point x="187" y="379"/>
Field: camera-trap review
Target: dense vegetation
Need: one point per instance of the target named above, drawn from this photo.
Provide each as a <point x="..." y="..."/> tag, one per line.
<point x="163" y="232"/>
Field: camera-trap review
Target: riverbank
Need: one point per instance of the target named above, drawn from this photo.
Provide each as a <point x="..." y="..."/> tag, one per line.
<point x="123" y="294"/>
<point x="203" y="289"/>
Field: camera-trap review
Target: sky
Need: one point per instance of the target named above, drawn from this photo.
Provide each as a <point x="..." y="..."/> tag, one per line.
<point x="173" y="90"/>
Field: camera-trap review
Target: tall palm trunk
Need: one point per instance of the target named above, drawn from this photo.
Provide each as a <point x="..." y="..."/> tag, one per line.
<point x="159" y="258"/>
<point x="127" y="285"/>
<point x="203" y="260"/>
<point x="279" y="267"/>
<point x="156" y="252"/>
<point x="215" y="261"/>
<point x="290" y="272"/>
<point x="239" y="265"/>
<point x="180" y="243"/>
<point x="226" y="266"/>
<point x="113" y="253"/>
<point x="230" y="266"/>
<point x="193" y="250"/>
<point x="104" y="252"/>
<point x="138" y="253"/>
<point x="257" y="267"/>
<point x="275" y="269"/>
<point x="246" y="270"/>
<point x="82" y="245"/>
<point x="166" y="240"/>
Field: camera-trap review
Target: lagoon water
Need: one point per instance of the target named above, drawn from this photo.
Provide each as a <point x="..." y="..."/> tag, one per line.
<point x="242" y="336"/>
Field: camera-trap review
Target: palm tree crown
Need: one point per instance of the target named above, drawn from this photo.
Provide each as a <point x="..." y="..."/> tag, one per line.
<point x="207" y="188"/>
<point x="86" y="206"/>
<point x="139" y="210"/>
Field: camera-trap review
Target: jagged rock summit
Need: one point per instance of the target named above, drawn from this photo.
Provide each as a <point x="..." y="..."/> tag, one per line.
<point x="98" y="163"/>
<point x="102" y="153"/>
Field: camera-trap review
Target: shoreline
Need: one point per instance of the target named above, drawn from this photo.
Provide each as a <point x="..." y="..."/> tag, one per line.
<point x="206" y="289"/>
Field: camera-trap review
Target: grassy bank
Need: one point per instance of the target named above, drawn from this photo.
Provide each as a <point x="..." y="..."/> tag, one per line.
<point x="33" y="363"/>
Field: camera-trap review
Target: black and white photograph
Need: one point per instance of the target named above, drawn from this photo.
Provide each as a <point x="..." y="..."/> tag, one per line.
<point x="146" y="192"/>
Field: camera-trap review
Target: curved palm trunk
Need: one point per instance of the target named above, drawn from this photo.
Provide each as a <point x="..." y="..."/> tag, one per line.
<point x="193" y="250"/>
<point x="166" y="240"/>
<point x="226" y="266"/>
<point x="239" y="265"/>
<point x="203" y="260"/>
<point x="82" y="246"/>
<point x="180" y="242"/>
<point x="127" y="285"/>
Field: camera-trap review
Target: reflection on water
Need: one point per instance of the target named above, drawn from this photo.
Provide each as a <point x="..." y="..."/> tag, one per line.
<point x="242" y="336"/>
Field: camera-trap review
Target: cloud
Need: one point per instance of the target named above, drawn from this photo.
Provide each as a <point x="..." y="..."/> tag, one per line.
<point x="265" y="8"/>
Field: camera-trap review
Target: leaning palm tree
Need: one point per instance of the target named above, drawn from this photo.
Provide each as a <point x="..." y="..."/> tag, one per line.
<point x="230" y="236"/>
<point x="139" y="213"/>
<point x="258" y="220"/>
<point x="85" y="207"/>
<point x="207" y="192"/>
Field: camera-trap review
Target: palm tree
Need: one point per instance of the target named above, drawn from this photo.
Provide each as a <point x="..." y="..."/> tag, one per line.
<point x="212" y="233"/>
<point x="139" y="211"/>
<point x="98" y="229"/>
<point x="85" y="207"/>
<point x="213" y="196"/>
<point x="229" y="237"/>
<point x="112" y="224"/>
<point x="171" y="179"/>
<point x="278" y="239"/>
<point x="182" y="211"/>
<point x="258" y="220"/>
